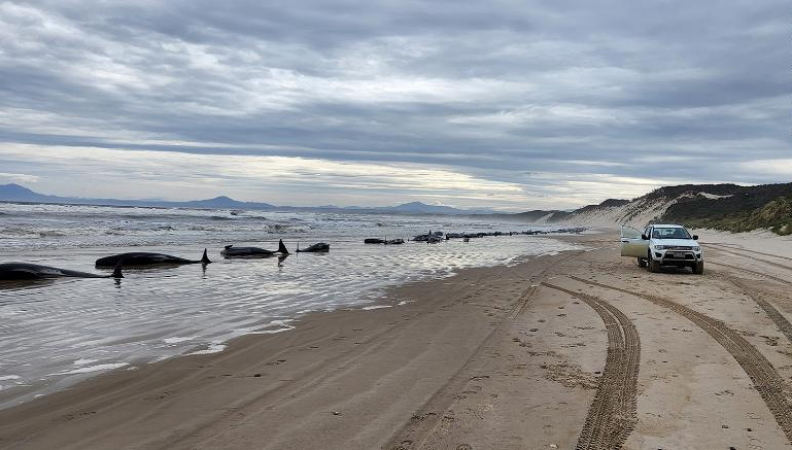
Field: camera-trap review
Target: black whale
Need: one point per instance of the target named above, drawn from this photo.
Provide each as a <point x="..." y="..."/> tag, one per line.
<point x="25" y="271"/>
<point x="147" y="259"/>
<point x="253" y="252"/>
<point x="320" y="247"/>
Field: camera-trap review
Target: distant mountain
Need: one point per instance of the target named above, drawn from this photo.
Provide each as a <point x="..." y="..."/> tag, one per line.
<point x="720" y="206"/>
<point x="224" y="202"/>
<point x="17" y="193"/>
<point x="423" y="208"/>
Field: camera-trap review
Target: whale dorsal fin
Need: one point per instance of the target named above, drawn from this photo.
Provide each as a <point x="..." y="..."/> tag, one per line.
<point x="282" y="248"/>
<point x="229" y="246"/>
<point x="117" y="271"/>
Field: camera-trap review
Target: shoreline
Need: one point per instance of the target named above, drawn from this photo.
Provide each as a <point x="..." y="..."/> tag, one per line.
<point x="312" y="327"/>
<point x="500" y="357"/>
<point x="37" y="388"/>
<point x="58" y="328"/>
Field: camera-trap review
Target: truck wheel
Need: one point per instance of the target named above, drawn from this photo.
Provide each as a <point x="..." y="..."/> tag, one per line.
<point x="698" y="268"/>
<point x="641" y="263"/>
<point x="654" y="266"/>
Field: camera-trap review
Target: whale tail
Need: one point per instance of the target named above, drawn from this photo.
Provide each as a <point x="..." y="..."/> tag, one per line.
<point x="205" y="258"/>
<point x="282" y="248"/>
<point x="117" y="271"/>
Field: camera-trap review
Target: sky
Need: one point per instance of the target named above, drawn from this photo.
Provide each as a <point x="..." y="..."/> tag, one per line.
<point x="510" y="105"/>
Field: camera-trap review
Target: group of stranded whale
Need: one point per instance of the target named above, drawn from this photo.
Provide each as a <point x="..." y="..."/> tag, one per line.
<point x="26" y="271"/>
<point x="438" y="236"/>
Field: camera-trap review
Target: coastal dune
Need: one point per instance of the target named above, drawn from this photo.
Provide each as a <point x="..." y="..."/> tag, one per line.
<point x="577" y="350"/>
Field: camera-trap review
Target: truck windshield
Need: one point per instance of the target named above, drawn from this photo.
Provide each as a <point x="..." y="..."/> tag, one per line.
<point x="670" y="233"/>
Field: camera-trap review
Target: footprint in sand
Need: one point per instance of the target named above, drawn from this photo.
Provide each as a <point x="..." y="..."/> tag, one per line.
<point x="77" y="415"/>
<point x="405" y="445"/>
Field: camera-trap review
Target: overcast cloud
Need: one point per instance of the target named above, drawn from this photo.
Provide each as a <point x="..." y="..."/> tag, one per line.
<point x="507" y="104"/>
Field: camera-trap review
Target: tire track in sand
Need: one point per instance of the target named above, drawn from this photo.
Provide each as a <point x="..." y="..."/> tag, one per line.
<point x="742" y="249"/>
<point x="752" y="272"/>
<point x="522" y="303"/>
<point x="775" y="315"/>
<point x="764" y="376"/>
<point x="613" y="413"/>
<point x="742" y="254"/>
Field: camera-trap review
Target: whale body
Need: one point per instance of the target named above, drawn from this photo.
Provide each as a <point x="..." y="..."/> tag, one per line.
<point x="316" y="248"/>
<point x="253" y="252"/>
<point x="26" y="271"/>
<point x="147" y="259"/>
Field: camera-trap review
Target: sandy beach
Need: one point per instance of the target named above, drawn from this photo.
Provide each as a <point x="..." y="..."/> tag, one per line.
<point x="395" y="225"/>
<point x="581" y="349"/>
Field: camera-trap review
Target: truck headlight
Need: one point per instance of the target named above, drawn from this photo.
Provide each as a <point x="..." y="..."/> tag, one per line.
<point x="696" y="249"/>
<point x="660" y="247"/>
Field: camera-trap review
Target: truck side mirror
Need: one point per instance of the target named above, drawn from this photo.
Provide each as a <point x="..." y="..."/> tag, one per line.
<point x="695" y="237"/>
<point x="644" y="237"/>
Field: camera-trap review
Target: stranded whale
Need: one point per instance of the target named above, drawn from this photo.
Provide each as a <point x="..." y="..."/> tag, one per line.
<point x="25" y="271"/>
<point x="383" y="241"/>
<point x="147" y="259"/>
<point x="253" y="252"/>
<point x="316" y="248"/>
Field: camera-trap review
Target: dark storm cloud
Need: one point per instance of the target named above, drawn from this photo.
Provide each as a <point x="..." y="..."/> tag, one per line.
<point x="668" y="90"/>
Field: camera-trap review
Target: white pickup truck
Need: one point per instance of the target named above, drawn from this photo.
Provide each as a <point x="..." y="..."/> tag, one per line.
<point x="662" y="245"/>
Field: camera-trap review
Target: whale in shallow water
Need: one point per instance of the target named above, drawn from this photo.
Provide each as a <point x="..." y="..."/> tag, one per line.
<point x="138" y="259"/>
<point x="253" y="252"/>
<point x="25" y="271"/>
<point x="320" y="247"/>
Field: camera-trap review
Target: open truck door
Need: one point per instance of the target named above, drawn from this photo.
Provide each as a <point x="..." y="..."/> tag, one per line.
<point x="632" y="244"/>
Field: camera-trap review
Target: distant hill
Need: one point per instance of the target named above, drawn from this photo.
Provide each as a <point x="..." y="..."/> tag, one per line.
<point x="17" y="193"/>
<point x="536" y="215"/>
<point x="423" y="208"/>
<point x="224" y="203"/>
<point x="738" y="209"/>
<point x="726" y="207"/>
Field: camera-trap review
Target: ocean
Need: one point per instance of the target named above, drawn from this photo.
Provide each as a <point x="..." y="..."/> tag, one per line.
<point x="54" y="333"/>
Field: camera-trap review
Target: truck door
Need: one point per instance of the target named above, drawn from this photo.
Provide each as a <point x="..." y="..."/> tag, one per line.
<point x="632" y="244"/>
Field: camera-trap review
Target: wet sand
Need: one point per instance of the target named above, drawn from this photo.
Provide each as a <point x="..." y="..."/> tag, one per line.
<point x="579" y="349"/>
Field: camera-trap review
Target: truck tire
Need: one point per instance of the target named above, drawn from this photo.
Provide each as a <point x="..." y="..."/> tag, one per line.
<point x="698" y="268"/>
<point x="654" y="266"/>
<point x="641" y="263"/>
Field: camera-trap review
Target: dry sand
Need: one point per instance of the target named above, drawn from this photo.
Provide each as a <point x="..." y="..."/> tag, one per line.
<point x="579" y="349"/>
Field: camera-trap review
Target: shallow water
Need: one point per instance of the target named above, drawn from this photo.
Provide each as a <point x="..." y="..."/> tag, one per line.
<point x="56" y="332"/>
